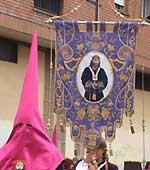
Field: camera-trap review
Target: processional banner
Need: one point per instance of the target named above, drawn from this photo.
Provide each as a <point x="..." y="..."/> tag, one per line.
<point x="94" y="77"/>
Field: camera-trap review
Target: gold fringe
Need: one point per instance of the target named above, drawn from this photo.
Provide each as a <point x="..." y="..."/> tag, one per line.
<point x="110" y="150"/>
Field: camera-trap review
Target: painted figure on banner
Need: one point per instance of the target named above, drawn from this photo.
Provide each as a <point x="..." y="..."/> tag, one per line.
<point x="95" y="70"/>
<point x="94" y="80"/>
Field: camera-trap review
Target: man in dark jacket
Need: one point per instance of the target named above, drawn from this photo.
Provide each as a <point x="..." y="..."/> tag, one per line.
<point x="96" y="159"/>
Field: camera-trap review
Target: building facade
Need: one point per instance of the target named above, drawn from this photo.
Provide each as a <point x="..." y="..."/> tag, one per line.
<point x="19" y="19"/>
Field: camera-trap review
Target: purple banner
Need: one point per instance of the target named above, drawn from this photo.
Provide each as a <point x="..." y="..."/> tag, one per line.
<point x="95" y="77"/>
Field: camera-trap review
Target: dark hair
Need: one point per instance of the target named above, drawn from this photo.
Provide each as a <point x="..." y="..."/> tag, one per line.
<point x="102" y="145"/>
<point x="95" y="56"/>
<point x="67" y="163"/>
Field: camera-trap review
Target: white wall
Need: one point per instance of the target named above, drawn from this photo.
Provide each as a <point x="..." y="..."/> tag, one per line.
<point x="69" y="152"/>
<point x="127" y="146"/>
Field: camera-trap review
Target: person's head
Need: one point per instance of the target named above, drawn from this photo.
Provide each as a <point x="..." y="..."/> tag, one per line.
<point x="101" y="151"/>
<point x="147" y="166"/>
<point x="68" y="164"/>
<point x="95" y="62"/>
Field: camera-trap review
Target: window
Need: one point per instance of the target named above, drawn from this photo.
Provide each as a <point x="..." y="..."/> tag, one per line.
<point x="119" y="7"/>
<point x="119" y="4"/>
<point x="145" y="10"/>
<point x="122" y="7"/>
<point x="94" y="1"/>
<point x="138" y="81"/>
<point x="8" y="50"/>
<point x="51" y="6"/>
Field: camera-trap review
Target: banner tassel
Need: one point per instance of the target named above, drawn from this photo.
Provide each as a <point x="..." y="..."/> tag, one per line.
<point x="131" y="127"/>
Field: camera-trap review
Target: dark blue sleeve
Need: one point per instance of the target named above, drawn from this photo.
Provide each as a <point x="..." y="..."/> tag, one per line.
<point x="86" y="76"/>
<point x="74" y="168"/>
<point x="60" y="167"/>
<point x="112" y="166"/>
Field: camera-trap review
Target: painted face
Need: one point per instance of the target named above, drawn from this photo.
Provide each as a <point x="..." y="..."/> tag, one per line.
<point x="96" y="62"/>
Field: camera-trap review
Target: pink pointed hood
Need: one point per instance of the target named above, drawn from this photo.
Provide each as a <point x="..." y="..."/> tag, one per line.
<point x="29" y="145"/>
<point x="28" y="110"/>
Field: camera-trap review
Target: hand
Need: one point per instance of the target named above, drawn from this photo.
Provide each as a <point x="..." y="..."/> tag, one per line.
<point x="95" y="85"/>
<point x="91" y="167"/>
<point x="100" y="85"/>
<point x="88" y="84"/>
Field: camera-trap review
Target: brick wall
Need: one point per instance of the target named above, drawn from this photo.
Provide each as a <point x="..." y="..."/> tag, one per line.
<point x="18" y="7"/>
<point x="27" y="18"/>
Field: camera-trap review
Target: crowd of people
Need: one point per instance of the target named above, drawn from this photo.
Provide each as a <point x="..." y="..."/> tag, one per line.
<point x="94" y="160"/>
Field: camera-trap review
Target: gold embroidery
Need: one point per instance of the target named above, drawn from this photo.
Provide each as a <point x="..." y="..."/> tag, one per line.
<point x="81" y="113"/>
<point x="95" y="46"/>
<point x="105" y="113"/>
<point x="80" y="47"/>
